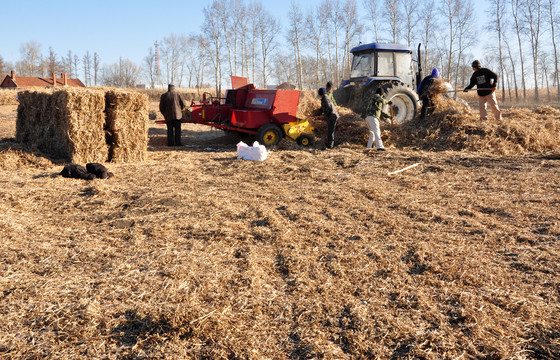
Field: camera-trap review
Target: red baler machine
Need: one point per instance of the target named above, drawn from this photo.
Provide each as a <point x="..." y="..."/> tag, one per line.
<point x="268" y="114"/>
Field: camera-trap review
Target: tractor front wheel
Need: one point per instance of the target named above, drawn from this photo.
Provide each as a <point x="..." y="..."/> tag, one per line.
<point x="269" y="135"/>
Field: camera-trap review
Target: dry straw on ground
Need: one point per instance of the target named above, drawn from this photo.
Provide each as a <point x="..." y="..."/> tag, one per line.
<point x="127" y="125"/>
<point x="310" y="254"/>
<point x="452" y="125"/>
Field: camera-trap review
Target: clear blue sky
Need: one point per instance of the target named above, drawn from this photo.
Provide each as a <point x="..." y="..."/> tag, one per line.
<point x="112" y="28"/>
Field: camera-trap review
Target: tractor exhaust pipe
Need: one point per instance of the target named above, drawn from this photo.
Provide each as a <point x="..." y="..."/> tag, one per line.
<point x="419" y="74"/>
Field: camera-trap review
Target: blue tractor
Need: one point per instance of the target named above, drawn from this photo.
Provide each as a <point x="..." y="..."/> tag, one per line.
<point x="386" y="66"/>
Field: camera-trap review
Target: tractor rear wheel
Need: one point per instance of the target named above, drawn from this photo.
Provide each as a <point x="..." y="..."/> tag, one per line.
<point x="269" y="135"/>
<point x="404" y="101"/>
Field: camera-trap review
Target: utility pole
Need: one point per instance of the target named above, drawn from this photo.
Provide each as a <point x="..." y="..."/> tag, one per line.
<point x="157" y="65"/>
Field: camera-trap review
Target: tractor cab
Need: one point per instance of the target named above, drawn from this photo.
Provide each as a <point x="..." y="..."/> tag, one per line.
<point x="388" y="67"/>
<point x="382" y="62"/>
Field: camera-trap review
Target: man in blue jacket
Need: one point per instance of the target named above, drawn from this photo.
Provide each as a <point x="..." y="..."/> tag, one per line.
<point x="424" y="92"/>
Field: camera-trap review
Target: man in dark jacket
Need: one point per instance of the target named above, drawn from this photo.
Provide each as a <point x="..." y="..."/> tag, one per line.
<point x="331" y="115"/>
<point x="171" y="106"/>
<point x="487" y="80"/>
<point x="424" y="93"/>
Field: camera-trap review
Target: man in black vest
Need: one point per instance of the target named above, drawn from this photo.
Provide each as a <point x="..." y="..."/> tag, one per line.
<point x="487" y="80"/>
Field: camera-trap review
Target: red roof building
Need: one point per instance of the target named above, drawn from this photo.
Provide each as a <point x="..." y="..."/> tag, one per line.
<point x="18" y="82"/>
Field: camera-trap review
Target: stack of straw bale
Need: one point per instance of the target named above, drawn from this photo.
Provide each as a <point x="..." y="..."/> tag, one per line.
<point x="8" y="97"/>
<point x="127" y="125"/>
<point x="84" y="125"/>
<point x="64" y="124"/>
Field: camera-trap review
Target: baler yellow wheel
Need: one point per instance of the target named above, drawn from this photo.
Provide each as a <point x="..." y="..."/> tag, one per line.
<point x="269" y="135"/>
<point x="305" y="140"/>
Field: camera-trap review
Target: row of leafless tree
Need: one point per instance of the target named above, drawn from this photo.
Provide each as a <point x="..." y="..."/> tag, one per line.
<point x="87" y="67"/>
<point x="239" y="37"/>
<point x="518" y="39"/>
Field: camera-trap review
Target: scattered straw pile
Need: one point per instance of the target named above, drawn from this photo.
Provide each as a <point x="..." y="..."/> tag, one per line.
<point x="308" y="104"/>
<point x="64" y="124"/>
<point x="451" y="126"/>
<point x="456" y="126"/>
<point x="8" y="97"/>
<point x="127" y="125"/>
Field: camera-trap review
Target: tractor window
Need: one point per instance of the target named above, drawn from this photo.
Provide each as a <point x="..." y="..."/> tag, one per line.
<point x="362" y="65"/>
<point x="404" y="67"/>
<point x="385" y="64"/>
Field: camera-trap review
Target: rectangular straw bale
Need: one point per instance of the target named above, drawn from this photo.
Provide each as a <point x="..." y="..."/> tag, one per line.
<point x="127" y="125"/>
<point x="64" y="124"/>
<point x="8" y="97"/>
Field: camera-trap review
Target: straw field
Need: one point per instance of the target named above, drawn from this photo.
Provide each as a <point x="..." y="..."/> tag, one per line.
<point x="194" y="254"/>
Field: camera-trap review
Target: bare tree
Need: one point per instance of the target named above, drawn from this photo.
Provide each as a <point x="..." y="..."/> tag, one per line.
<point x="51" y="63"/>
<point x="150" y="66"/>
<point x="76" y="62"/>
<point x="2" y="65"/>
<point x="544" y="61"/>
<point x="373" y="15"/>
<point x="512" y="62"/>
<point x="284" y="70"/>
<point x="459" y="37"/>
<point x="497" y="26"/>
<point x="30" y="63"/>
<point x="450" y="8"/>
<point x="295" y="35"/>
<point x="325" y="12"/>
<point x="515" y="9"/>
<point x="267" y="29"/>
<point x="532" y="13"/>
<point x="552" y="10"/>
<point x="256" y="10"/>
<point x="202" y="62"/>
<point x="226" y="20"/>
<point x="69" y="65"/>
<point x="465" y="36"/>
<point x="87" y="68"/>
<point x="182" y="58"/>
<point x="352" y="28"/>
<point x="212" y="31"/>
<point x="394" y="18"/>
<point x="96" y="65"/>
<point x="170" y="52"/>
<point x="315" y="34"/>
<point x="243" y="29"/>
<point x="429" y="27"/>
<point x="122" y="74"/>
<point x="410" y="8"/>
<point x="336" y="21"/>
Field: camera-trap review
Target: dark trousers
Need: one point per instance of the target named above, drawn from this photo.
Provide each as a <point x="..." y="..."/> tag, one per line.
<point x="330" y="130"/>
<point x="427" y="105"/>
<point x="173" y="133"/>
